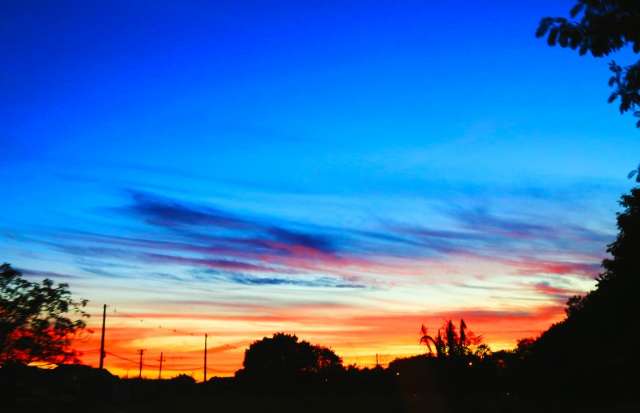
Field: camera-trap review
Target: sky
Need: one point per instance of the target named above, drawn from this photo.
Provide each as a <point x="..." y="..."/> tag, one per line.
<point x="344" y="171"/>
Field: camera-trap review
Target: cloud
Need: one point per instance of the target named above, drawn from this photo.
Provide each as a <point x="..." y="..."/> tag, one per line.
<point x="480" y="220"/>
<point x="165" y="212"/>
<point x="324" y="282"/>
<point x="100" y="272"/>
<point x="532" y="267"/>
<point x="222" y="264"/>
<point x="265" y="251"/>
<point x="476" y="230"/>
<point x="560" y="293"/>
<point x="47" y="274"/>
<point x="483" y="225"/>
<point x="184" y="219"/>
<point x="310" y="241"/>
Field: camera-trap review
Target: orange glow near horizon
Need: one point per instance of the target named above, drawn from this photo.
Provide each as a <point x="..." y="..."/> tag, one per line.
<point x="357" y="339"/>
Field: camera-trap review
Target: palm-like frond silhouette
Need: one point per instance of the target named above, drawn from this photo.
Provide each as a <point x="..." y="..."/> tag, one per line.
<point x="635" y="173"/>
<point x="426" y="339"/>
<point x="437" y="342"/>
<point x="450" y="341"/>
<point x="463" y="333"/>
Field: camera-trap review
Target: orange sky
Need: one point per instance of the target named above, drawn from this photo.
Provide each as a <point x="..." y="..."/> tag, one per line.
<point x="378" y="310"/>
<point x="357" y="338"/>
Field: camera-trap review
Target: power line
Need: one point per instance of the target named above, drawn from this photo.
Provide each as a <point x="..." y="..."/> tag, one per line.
<point x="137" y="362"/>
<point x="103" y="352"/>
<point x="122" y="358"/>
<point x="164" y="365"/>
<point x="142" y="320"/>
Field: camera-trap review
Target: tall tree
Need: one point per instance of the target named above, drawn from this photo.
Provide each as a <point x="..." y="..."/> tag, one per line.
<point x="603" y="27"/>
<point x="613" y="299"/>
<point x="38" y="321"/>
<point x="598" y="337"/>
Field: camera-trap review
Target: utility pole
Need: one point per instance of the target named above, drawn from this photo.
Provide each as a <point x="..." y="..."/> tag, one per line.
<point x="160" y="370"/>
<point x="104" y="317"/>
<point x="205" y="357"/>
<point x="141" y="352"/>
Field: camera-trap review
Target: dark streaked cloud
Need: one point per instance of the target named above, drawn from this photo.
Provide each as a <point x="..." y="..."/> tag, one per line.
<point x="164" y="212"/>
<point x="324" y="282"/>
<point x="481" y="220"/>
<point x="183" y="218"/>
<point x="223" y="264"/>
<point x="47" y="274"/>
<point x="171" y="232"/>
<point x="478" y="231"/>
<point x="561" y="294"/>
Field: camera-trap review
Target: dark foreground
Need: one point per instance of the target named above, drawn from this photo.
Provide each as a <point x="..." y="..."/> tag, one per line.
<point x="82" y="389"/>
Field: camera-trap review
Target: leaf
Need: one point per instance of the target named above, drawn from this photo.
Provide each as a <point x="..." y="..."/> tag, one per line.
<point x="575" y="10"/>
<point x="543" y="27"/>
<point x="553" y="35"/>
<point x="563" y="39"/>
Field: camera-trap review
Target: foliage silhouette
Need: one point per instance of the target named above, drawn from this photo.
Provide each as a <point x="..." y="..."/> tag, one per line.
<point x="635" y="174"/>
<point x="451" y="342"/>
<point x="603" y="27"/>
<point x="597" y="337"/>
<point x="37" y="320"/>
<point x="283" y="358"/>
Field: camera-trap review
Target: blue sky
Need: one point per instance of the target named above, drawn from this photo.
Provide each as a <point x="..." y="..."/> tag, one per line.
<point x="411" y="156"/>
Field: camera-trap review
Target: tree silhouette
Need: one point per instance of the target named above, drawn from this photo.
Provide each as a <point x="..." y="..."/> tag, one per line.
<point x="283" y="357"/>
<point x="437" y="342"/>
<point x="605" y="318"/>
<point x="451" y="342"/>
<point x="603" y="27"/>
<point x="34" y="320"/>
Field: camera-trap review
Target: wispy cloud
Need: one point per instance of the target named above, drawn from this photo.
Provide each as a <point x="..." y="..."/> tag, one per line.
<point x="47" y="274"/>
<point x="165" y="212"/>
<point x="182" y="218"/>
<point x="204" y="236"/>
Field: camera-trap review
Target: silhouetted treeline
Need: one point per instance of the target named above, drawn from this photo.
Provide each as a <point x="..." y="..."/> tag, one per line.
<point x="500" y="382"/>
<point x="422" y="383"/>
<point x="417" y="384"/>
